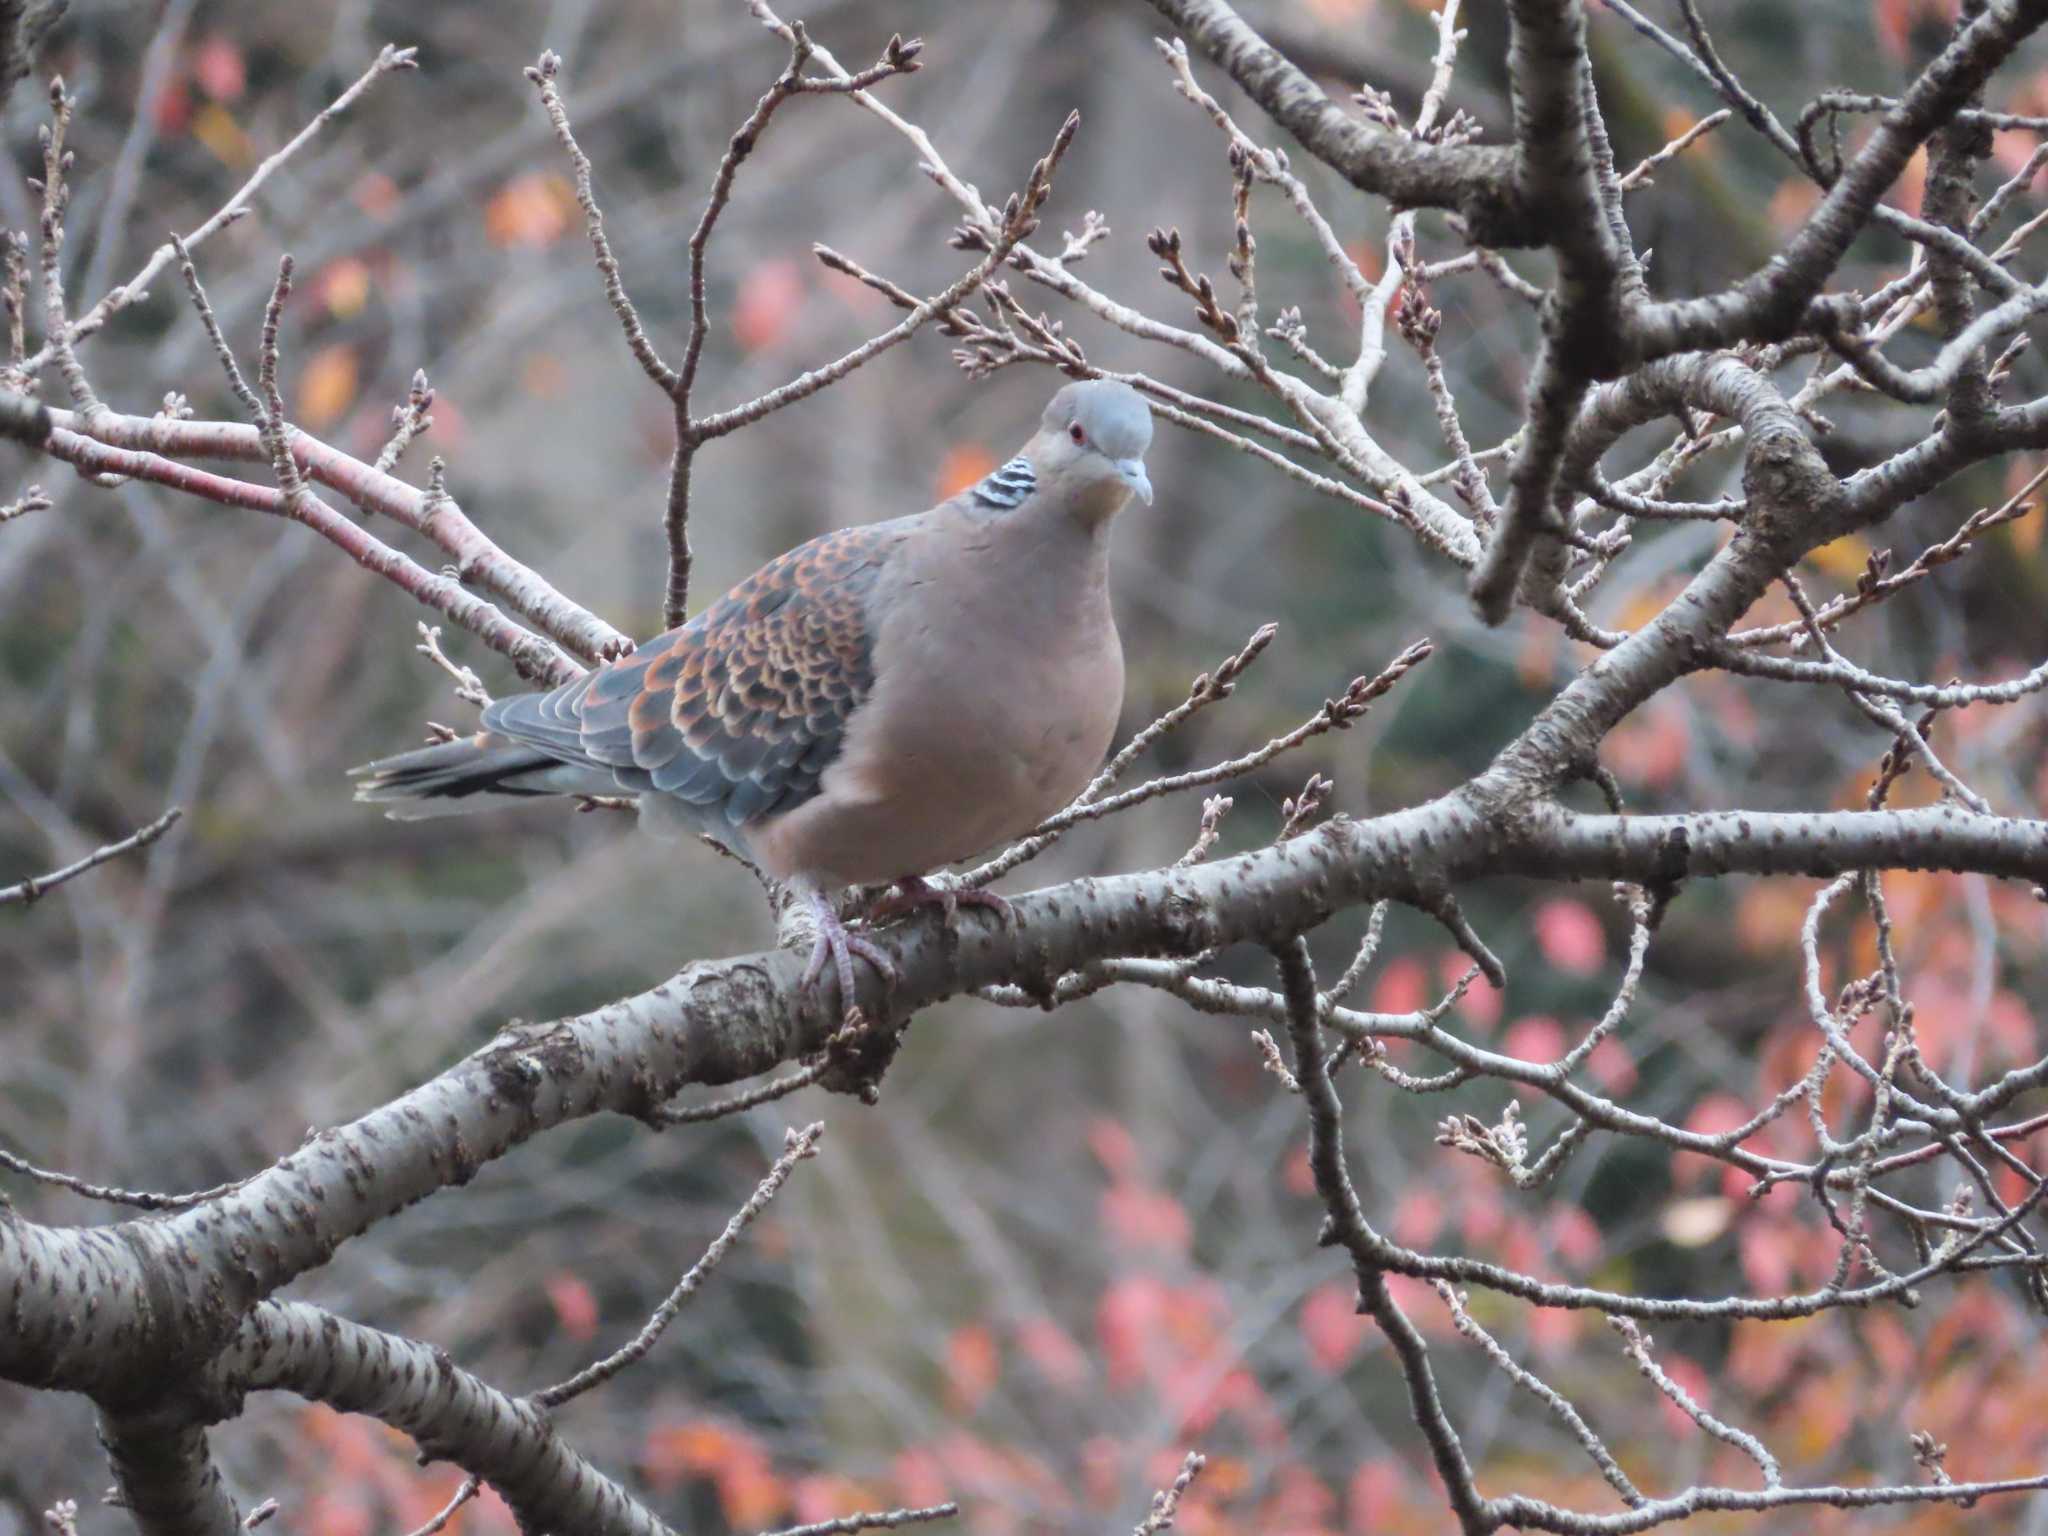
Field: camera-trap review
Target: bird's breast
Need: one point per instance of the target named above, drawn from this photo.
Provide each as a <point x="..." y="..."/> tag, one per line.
<point x="991" y="709"/>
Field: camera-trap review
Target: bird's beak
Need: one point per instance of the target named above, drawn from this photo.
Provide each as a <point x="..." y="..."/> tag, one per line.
<point x="1133" y="471"/>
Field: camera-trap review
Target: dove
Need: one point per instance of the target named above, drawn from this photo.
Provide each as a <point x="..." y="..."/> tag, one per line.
<point x="876" y="704"/>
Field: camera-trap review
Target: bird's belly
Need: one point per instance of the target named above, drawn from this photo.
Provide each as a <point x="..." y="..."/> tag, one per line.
<point x="935" y="779"/>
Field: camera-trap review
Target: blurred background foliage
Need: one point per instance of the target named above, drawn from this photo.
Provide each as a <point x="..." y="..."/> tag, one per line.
<point x="1066" y="1247"/>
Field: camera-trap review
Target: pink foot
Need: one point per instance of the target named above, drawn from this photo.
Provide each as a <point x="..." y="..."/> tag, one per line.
<point x="839" y="946"/>
<point x="915" y="892"/>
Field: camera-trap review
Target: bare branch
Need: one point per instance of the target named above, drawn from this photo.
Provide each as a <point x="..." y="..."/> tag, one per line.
<point x="797" y="1146"/>
<point x="665" y="378"/>
<point x="35" y="887"/>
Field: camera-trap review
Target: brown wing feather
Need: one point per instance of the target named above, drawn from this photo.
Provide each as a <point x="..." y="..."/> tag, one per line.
<point x="740" y="711"/>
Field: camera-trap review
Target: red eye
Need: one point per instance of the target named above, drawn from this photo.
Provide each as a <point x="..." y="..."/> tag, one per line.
<point x="1076" y="433"/>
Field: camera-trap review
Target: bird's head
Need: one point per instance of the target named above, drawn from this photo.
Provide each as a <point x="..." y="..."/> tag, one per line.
<point x="1092" y="445"/>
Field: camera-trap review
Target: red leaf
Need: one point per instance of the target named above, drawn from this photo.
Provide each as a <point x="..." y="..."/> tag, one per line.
<point x="1766" y="1251"/>
<point x="1053" y="1353"/>
<point x="1331" y="1326"/>
<point x="1139" y="1217"/>
<point x="767" y="303"/>
<point x="1418" y="1217"/>
<point x="1481" y="1004"/>
<point x="1113" y="1147"/>
<point x="575" y="1307"/>
<point x="1401" y="987"/>
<point x="217" y="66"/>
<point x="1375" y="1501"/>
<point x="1297" y="1176"/>
<point x="1694" y="1380"/>
<point x="1570" y="936"/>
<point x="921" y="1477"/>
<point x="1575" y="1235"/>
<point x="1535" y="1038"/>
<point x="1125" y="1319"/>
<point x="1612" y="1066"/>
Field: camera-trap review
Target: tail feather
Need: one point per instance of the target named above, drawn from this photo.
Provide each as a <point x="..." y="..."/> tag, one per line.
<point x="457" y="777"/>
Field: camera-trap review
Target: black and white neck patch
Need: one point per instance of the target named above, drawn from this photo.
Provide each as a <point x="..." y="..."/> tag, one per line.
<point x="1007" y="487"/>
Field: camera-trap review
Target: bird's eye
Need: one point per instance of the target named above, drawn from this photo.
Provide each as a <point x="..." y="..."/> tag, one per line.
<point x="1076" y="433"/>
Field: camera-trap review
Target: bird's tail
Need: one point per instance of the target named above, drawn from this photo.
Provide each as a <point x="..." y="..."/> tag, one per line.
<point x="472" y="774"/>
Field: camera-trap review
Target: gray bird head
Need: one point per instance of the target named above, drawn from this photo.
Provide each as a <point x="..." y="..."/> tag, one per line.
<point x="1092" y="445"/>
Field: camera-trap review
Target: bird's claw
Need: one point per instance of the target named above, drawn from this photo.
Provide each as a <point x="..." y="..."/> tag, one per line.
<point x="837" y="946"/>
<point x="916" y="893"/>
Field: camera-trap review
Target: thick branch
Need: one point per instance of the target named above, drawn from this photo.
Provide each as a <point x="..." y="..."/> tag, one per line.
<point x="1474" y="180"/>
<point x="454" y="1416"/>
<point x="720" y="1021"/>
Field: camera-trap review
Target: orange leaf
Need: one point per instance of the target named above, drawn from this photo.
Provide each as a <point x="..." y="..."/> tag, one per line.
<point x="376" y="194"/>
<point x="1844" y="558"/>
<point x="964" y="465"/>
<point x="1795" y="198"/>
<point x="219" y="132"/>
<point x="750" y="1493"/>
<point x="766" y="307"/>
<point x="974" y="1363"/>
<point x="687" y="1449"/>
<point x="1649" y="747"/>
<point x="327" y="387"/>
<point x="344" y="286"/>
<point x="529" y="210"/>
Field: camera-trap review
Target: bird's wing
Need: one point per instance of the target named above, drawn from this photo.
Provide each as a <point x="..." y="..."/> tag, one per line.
<point x="739" y="712"/>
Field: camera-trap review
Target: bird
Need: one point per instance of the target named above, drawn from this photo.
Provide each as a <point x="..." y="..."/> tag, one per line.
<point x="866" y="709"/>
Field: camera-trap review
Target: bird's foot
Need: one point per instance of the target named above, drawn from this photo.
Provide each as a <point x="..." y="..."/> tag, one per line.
<point x="837" y="946"/>
<point x="915" y="893"/>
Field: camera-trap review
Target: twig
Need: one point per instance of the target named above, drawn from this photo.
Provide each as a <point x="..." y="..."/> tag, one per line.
<point x="37" y="886"/>
<point x="797" y="1146"/>
<point x="409" y="419"/>
<point x="543" y="76"/>
<point x="899" y="58"/>
<point x="56" y="193"/>
<point x="276" y="432"/>
<point x="1166" y="1502"/>
<point x="389" y="60"/>
<point x="471" y="1487"/>
<point x="1640" y="176"/>
<point x="468" y="686"/>
<point x="878" y="1520"/>
<point x="1337" y="714"/>
<point x="141" y="1199"/>
<point x="733" y="1104"/>
<point x="1637" y="1344"/>
<point x="1544" y="1393"/>
<point x="30" y="500"/>
<point x="1207" y="688"/>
